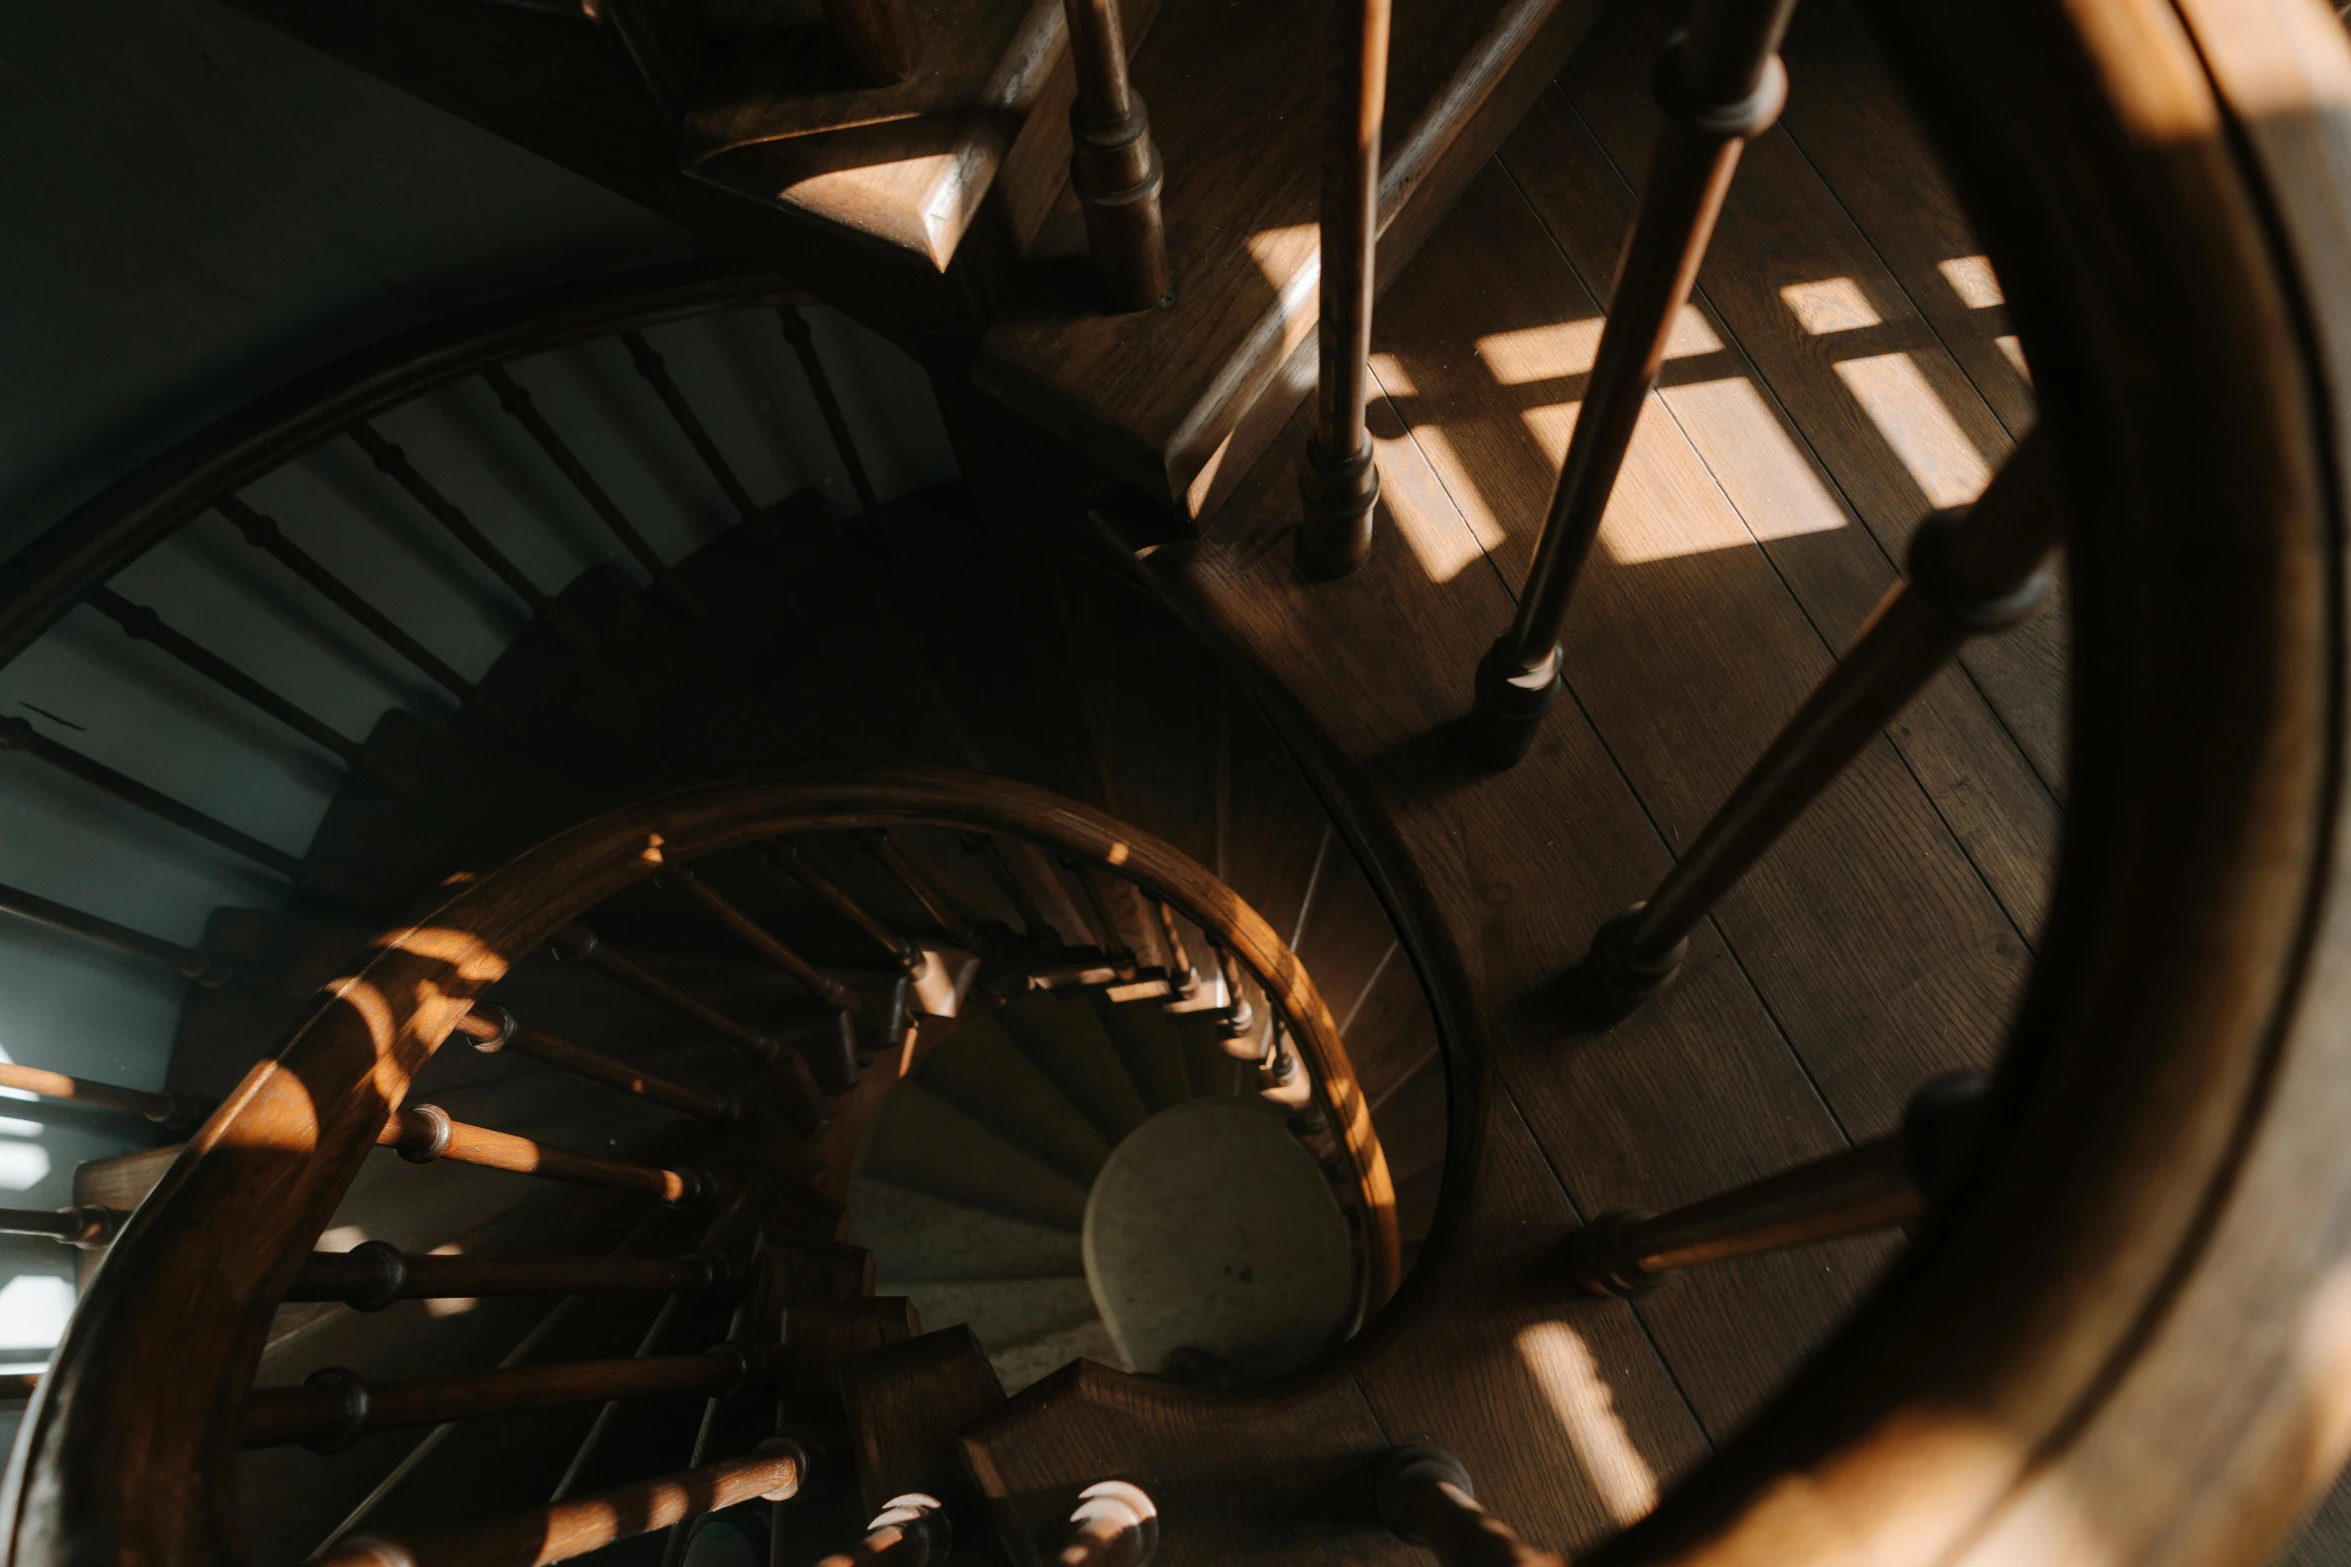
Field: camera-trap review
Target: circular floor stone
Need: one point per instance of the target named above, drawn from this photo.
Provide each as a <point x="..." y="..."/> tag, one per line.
<point x="1212" y="1240"/>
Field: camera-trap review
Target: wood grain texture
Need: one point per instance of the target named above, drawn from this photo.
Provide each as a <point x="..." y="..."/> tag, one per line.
<point x="1180" y="401"/>
<point x="905" y="1403"/>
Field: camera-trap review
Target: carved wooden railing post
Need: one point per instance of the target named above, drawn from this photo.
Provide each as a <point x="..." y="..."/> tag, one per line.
<point x="1115" y="1524"/>
<point x="1339" y="482"/>
<point x="1425" y="1499"/>
<point x="1869" y="1186"/>
<point x="1720" y="85"/>
<point x="1113" y="163"/>
<point x="909" y="1531"/>
<point x="1970" y="572"/>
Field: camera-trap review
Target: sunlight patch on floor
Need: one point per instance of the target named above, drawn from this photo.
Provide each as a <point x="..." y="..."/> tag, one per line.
<point x="1562" y="1367"/>
<point x="1565" y="348"/>
<point x="1910" y="414"/>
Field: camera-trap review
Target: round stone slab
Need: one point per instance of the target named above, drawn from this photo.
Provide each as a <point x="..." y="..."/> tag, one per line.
<point x="1210" y="1232"/>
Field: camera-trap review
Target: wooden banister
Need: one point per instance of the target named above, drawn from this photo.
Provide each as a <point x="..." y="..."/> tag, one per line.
<point x="374" y="1274"/>
<point x="1970" y="572"/>
<point x="1425" y="1499"/>
<point x="1339" y="481"/>
<point x="494" y="1029"/>
<point x="909" y="1531"/>
<point x="1869" y="1186"/>
<point x="335" y="1407"/>
<point x="777" y="1470"/>
<point x="1114" y="165"/>
<point x="1720" y="85"/>
<point x="424" y="1134"/>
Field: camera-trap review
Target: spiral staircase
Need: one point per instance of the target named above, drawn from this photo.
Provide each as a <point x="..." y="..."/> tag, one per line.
<point x="731" y="998"/>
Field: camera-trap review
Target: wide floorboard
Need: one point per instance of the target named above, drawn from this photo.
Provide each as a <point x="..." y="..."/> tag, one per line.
<point x="1846" y="370"/>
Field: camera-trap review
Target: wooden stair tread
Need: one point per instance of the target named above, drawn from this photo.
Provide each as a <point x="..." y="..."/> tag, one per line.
<point x="1178" y="401"/>
<point x="775" y="86"/>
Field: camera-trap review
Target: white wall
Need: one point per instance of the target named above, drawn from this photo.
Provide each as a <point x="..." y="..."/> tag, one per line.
<point x="199" y="209"/>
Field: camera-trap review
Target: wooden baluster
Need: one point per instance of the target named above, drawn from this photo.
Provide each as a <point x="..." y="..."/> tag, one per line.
<point x="820" y="385"/>
<point x="1237" y="1029"/>
<point x="87" y="1226"/>
<point x="1180" y="974"/>
<point x="1339" y="480"/>
<point x="202" y="967"/>
<point x="18" y="735"/>
<point x="142" y="624"/>
<point x="393" y="463"/>
<point x="1114" y="951"/>
<point x="1869" y="1186"/>
<point x="1720" y="84"/>
<point x="786" y="857"/>
<point x="1113" y="1525"/>
<point x="1114" y="165"/>
<point x="953" y="925"/>
<point x="873" y="39"/>
<point x="655" y="370"/>
<point x="1970" y="572"/>
<point x="494" y="1029"/>
<point x="1033" y="923"/>
<point x="577" y="943"/>
<point x="910" y="1531"/>
<point x="1425" y="1498"/>
<point x="264" y="534"/>
<point x="423" y="1134"/>
<point x="333" y="1408"/>
<point x="756" y="936"/>
<point x="519" y="405"/>
<point x="777" y="1470"/>
<point x="177" y="1111"/>
<point x="372" y="1275"/>
<point x="802" y="1104"/>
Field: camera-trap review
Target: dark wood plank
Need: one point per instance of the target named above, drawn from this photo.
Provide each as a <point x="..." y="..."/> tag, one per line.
<point x="1569" y="1423"/>
<point x="905" y="1402"/>
<point x="1683" y="1100"/>
<point x="1857" y="129"/>
<point x="1771" y="470"/>
<point x="1874" y="942"/>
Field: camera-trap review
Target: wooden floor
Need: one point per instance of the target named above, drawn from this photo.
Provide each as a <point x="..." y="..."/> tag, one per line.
<point x="1846" y="370"/>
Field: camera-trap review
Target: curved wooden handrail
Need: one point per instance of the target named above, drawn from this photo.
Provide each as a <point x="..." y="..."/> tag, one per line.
<point x="130" y="1444"/>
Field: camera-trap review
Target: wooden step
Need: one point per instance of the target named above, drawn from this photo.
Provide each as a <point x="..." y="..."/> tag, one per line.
<point x="1179" y="401"/>
<point x="973" y="145"/>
